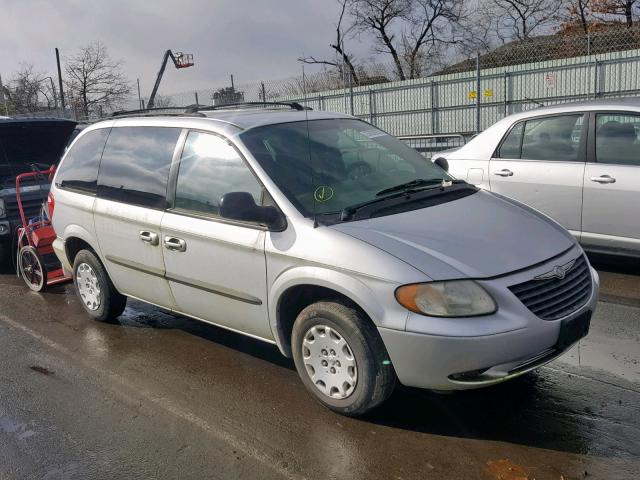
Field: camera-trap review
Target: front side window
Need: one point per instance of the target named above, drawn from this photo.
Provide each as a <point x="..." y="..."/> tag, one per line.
<point x="553" y="138"/>
<point x="325" y="166"/>
<point x="135" y="165"/>
<point x="617" y="139"/>
<point x="79" y="170"/>
<point x="209" y="169"/>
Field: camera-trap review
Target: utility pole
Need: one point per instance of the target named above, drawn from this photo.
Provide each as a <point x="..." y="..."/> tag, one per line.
<point x="139" y="98"/>
<point x="4" y="102"/>
<point x="232" y="87"/>
<point x="60" y="80"/>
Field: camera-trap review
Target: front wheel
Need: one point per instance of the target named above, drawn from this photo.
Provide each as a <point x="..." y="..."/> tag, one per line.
<point x="341" y="358"/>
<point x="95" y="290"/>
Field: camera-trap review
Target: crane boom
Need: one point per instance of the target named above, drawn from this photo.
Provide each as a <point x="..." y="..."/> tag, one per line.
<point x="180" y="60"/>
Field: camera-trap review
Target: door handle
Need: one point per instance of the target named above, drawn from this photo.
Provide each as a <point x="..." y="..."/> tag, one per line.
<point x="505" y="172"/>
<point x="603" y="179"/>
<point x="175" y="243"/>
<point x="149" y="237"/>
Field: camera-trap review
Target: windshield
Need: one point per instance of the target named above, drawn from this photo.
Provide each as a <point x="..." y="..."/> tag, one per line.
<point x="326" y="166"/>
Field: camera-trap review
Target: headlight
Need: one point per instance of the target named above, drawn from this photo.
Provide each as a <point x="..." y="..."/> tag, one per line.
<point x="2" y="211"/>
<point x="454" y="298"/>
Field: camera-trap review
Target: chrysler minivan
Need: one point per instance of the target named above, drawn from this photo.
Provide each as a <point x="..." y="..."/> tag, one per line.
<point x="323" y="235"/>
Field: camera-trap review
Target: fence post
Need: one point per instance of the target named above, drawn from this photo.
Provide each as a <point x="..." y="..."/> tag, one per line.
<point x="506" y="94"/>
<point x="264" y="93"/>
<point x="478" y="94"/>
<point x="350" y="93"/>
<point x="197" y="101"/>
<point x="595" y="79"/>
<point x="372" y="107"/>
<point x="432" y="92"/>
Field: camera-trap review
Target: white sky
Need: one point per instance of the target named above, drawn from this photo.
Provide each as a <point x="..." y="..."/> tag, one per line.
<point x="254" y="40"/>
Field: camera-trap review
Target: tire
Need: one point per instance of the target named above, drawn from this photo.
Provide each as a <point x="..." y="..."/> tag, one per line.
<point x="373" y="380"/>
<point x="94" y="288"/>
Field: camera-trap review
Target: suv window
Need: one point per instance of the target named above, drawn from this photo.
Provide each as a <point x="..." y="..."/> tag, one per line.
<point x="210" y="168"/>
<point x="617" y="139"/>
<point x="79" y="170"/>
<point x="135" y="165"/>
<point x="554" y="138"/>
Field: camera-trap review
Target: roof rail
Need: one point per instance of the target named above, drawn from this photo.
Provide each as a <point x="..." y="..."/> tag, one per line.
<point x="158" y="111"/>
<point x="292" y="105"/>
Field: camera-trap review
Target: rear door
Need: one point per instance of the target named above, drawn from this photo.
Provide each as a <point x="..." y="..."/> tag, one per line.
<point x="128" y="210"/>
<point x="216" y="267"/>
<point x="541" y="163"/>
<point x="610" y="218"/>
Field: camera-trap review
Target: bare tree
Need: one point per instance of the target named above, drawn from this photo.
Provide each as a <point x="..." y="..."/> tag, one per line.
<point x="578" y="15"/>
<point x="410" y="31"/>
<point x="94" y="80"/>
<point x="430" y="25"/>
<point x="27" y="88"/>
<point x="346" y="60"/>
<point x="614" y="8"/>
<point x="521" y="19"/>
<point x="381" y="18"/>
<point x="163" y="101"/>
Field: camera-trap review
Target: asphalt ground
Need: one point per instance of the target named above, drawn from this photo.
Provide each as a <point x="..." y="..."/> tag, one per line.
<point x="163" y="396"/>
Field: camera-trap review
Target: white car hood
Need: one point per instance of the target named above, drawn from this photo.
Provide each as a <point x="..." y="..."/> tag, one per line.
<point x="478" y="236"/>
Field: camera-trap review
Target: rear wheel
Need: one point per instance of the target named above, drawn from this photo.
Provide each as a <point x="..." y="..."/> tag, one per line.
<point x="341" y="358"/>
<point x="95" y="290"/>
<point x="32" y="268"/>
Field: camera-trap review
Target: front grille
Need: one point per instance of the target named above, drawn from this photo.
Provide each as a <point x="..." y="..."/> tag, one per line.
<point x="31" y="206"/>
<point x="557" y="297"/>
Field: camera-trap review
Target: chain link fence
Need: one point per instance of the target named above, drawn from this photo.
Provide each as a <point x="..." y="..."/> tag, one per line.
<point x="463" y="98"/>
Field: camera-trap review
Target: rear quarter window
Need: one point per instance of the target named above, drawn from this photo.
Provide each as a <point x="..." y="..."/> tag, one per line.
<point x="79" y="169"/>
<point x="135" y="165"/>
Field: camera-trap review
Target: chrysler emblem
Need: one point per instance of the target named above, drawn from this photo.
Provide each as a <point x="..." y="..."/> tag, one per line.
<point x="559" y="272"/>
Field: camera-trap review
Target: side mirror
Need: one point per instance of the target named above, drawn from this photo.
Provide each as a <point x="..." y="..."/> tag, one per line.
<point x="241" y="206"/>
<point x="442" y="163"/>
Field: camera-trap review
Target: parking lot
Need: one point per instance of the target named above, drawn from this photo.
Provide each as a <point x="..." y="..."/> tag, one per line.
<point x="162" y="396"/>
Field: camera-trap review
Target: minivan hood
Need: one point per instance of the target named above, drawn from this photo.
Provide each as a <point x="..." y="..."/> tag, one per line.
<point x="478" y="236"/>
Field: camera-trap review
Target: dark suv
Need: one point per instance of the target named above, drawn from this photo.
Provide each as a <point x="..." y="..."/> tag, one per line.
<point x="26" y="144"/>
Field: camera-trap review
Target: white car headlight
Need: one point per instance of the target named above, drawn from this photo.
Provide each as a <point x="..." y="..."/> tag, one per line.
<point x="2" y="210"/>
<point x="453" y="298"/>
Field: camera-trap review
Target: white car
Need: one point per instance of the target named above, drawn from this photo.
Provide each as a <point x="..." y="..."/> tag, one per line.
<point x="578" y="163"/>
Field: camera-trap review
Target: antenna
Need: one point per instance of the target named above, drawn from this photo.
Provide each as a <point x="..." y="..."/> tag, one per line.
<point x="306" y="117"/>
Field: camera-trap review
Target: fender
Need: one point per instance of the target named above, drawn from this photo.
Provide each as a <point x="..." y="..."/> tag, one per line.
<point x="345" y="284"/>
<point x="83" y="234"/>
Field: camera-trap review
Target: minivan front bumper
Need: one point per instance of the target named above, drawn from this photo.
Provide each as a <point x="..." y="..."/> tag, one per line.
<point x="446" y="354"/>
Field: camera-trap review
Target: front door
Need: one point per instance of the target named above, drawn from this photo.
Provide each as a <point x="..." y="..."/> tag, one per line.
<point x="130" y="203"/>
<point x="216" y="268"/>
<point x="541" y="163"/>
<point x="611" y="218"/>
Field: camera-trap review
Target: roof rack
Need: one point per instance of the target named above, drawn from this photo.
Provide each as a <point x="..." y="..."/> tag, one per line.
<point x="292" y="105"/>
<point x="190" y="110"/>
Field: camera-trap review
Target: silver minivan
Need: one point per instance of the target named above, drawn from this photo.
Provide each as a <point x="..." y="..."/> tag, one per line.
<point x="578" y="162"/>
<point x="325" y="236"/>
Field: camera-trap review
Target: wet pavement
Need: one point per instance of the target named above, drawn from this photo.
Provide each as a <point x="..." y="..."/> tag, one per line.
<point x="162" y="396"/>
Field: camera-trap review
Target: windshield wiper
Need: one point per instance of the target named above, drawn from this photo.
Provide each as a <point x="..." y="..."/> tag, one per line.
<point x="415" y="184"/>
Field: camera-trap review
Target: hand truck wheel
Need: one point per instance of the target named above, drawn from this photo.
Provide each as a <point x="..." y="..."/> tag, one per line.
<point x="32" y="268"/>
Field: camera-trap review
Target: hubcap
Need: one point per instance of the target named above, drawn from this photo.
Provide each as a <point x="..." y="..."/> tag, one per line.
<point x="329" y="361"/>
<point x="88" y="286"/>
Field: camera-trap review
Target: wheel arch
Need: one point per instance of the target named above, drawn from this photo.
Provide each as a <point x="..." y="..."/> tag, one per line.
<point x="77" y="238"/>
<point x="299" y="287"/>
